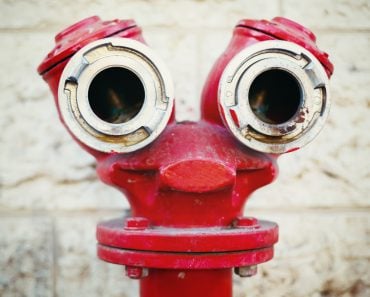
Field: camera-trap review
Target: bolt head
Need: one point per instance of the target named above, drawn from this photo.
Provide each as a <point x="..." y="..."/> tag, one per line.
<point x="246" y="271"/>
<point x="242" y="222"/>
<point x="135" y="272"/>
<point x="136" y="223"/>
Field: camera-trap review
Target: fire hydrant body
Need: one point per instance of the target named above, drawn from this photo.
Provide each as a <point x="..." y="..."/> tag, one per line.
<point x="187" y="183"/>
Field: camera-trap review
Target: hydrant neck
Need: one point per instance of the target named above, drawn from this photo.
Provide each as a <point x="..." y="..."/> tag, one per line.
<point x="186" y="283"/>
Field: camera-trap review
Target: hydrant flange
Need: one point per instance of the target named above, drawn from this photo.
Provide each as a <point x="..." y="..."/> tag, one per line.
<point x="190" y="248"/>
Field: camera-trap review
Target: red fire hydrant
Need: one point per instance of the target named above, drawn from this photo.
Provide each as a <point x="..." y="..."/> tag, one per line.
<point x="187" y="183"/>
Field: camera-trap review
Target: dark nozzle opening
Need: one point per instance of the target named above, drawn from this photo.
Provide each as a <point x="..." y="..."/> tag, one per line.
<point x="275" y="96"/>
<point x="116" y="95"/>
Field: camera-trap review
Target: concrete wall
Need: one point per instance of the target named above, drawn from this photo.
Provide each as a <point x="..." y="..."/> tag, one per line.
<point x="50" y="196"/>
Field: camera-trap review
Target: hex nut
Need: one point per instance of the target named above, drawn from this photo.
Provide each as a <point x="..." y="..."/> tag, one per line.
<point x="246" y="271"/>
<point x="244" y="222"/>
<point x="136" y="223"/>
<point x="135" y="272"/>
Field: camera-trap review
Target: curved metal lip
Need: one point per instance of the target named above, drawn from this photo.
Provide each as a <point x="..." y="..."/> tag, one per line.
<point x="238" y="116"/>
<point x="285" y="29"/>
<point x="69" y="40"/>
<point x="109" y="137"/>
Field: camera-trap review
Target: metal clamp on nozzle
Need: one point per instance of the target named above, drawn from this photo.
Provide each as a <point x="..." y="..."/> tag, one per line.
<point x="274" y="96"/>
<point x="115" y="95"/>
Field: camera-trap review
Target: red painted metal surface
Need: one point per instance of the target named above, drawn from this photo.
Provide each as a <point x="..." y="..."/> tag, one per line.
<point x="187" y="190"/>
<point x="185" y="283"/>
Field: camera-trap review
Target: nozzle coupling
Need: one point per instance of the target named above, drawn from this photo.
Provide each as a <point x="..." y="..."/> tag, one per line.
<point x="115" y="95"/>
<point x="274" y="97"/>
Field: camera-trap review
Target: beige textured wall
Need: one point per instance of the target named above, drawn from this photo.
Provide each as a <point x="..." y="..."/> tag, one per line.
<point x="51" y="199"/>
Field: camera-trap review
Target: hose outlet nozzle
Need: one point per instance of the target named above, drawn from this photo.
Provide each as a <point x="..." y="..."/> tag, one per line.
<point x="274" y="97"/>
<point x="115" y="95"/>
